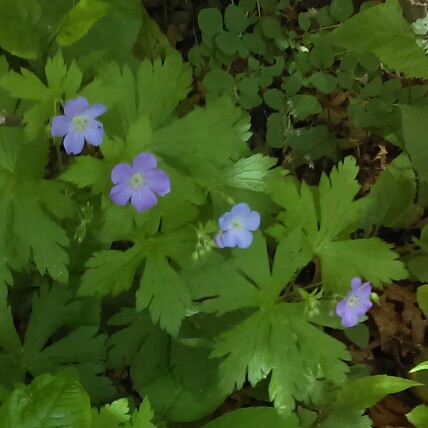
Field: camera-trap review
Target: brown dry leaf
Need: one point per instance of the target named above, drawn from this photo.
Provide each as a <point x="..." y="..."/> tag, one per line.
<point x="399" y="320"/>
<point x="390" y="412"/>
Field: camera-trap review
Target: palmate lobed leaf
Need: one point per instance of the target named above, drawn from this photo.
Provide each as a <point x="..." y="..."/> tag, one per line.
<point x="328" y="228"/>
<point x="36" y="205"/>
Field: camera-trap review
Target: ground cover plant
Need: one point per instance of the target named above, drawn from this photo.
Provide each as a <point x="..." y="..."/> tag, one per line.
<point x="213" y="214"/>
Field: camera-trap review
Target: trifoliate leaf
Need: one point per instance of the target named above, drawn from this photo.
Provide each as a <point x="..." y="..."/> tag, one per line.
<point x="391" y="38"/>
<point x="235" y="19"/>
<point x="210" y="21"/>
<point x="79" y="20"/>
<point x="50" y="401"/>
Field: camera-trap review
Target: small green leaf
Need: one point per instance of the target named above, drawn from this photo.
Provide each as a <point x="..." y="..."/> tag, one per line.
<point x="341" y="9"/>
<point x="418" y="416"/>
<point x="304" y="21"/>
<point x="303" y="106"/>
<point x="274" y="98"/>
<point x="421" y="366"/>
<point x="324" y="82"/>
<point x="271" y="27"/>
<point x="254" y="43"/>
<point x="235" y="19"/>
<point x="422" y="297"/>
<point x="228" y="42"/>
<point x="210" y="21"/>
<point x="79" y="20"/>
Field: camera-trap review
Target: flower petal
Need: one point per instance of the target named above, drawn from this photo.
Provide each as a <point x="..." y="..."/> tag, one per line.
<point x="349" y="319"/>
<point x="95" y="111"/>
<point x="244" y="238"/>
<point x="121" y="173"/>
<point x="228" y="239"/>
<point x="355" y="284"/>
<point x="76" y="106"/>
<point x="60" y="126"/>
<point x="218" y="240"/>
<point x="143" y="199"/>
<point x="242" y="210"/>
<point x="94" y="134"/>
<point x="363" y="307"/>
<point x="73" y="142"/>
<point x="121" y="194"/>
<point x="341" y="308"/>
<point x="251" y="221"/>
<point x="144" y="162"/>
<point x="224" y="221"/>
<point x="364" y="291"/>
<point x="157" y="181"/>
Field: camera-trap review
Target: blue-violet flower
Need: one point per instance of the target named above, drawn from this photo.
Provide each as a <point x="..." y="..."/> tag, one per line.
<point x="78" y="124"/>
<point x="139" y="183"/>
<point x="236" y="227"/>
<point x="355" y="304"/>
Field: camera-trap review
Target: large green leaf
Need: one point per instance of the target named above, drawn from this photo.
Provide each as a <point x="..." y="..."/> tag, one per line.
<point x="383" y="30"/>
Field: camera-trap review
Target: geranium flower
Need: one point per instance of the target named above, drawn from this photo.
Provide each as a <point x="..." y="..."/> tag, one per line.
<point x="355" y="304"/>
<point x="236" y="227"/>
<point x="139" y="183"/>
<point x="78" y="125"/>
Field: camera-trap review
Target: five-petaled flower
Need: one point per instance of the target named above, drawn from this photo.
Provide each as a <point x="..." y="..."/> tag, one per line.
<point x="78" y="125"/>
<point x="236" y="226"/>
<point x="355" y="304"/>
<point x="139" y="183"/>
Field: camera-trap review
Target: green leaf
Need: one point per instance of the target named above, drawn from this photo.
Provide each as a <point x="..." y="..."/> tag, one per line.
<point x="110" y="272"/>
<point x="341" y="9"/>
<point x="210" y="21"/>
<point x="303" y="106"/>
<point x="271" y="27"/>
<point x="229" y="43"/>
<point x="391" y="38"/>
<point x="25" y="86"/>
<point x="219" y="81"/>
<point x="367" y="391"/>
<point x="254" y="43"/>
<point x="26" y="25"/>
<point x="116" y="415"/>
<point x="79" y="20"/>
<point x="421" y="366"/>
<point x="418" y="416"/>
<point x="274" y="98"/>
<point x="41" y="353"/>
<point x="163" y="292"/>
<point x="341" y="416"/>
<point x="235" y="19"/>
<point x="249" y="173"/>
<point x="325" y="83"/>
<point x="152" y="42"/>
<point x="372" y="259"/>
<point x="414" y="128"/>
<point x="36" y="204"/>
<point x="161" y="86"/>
<point x="391" y="196"/>
<point x="422" y="297"/>
<point x="50" y="401"/>
<point x="253" y="417"/>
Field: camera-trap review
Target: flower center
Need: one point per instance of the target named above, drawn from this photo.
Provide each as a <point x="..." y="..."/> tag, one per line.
<point x="235" y="224"/>
<point x="80" y="123"/>
<point x="353" y="301"/>
<point x="136" y="181"/>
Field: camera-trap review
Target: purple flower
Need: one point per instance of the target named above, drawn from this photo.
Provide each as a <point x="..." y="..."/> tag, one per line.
<point x="78" y="124"/>
<point x="236" y="227"/>
<point x="139" y="183"/>
<point x="355" y="304"/>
